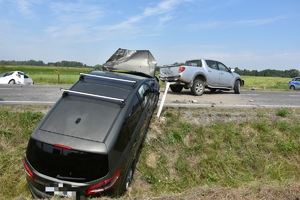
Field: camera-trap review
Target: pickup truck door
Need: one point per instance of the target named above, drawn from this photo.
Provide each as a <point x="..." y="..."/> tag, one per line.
<point x="213" y="74"/>
<point x="226" y="75"/>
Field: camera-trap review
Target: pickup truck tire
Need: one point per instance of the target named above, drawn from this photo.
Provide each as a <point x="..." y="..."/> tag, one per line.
<point x="198" y="87"/>
<point x="237" y="87"/>
<point x="176" y="88"/>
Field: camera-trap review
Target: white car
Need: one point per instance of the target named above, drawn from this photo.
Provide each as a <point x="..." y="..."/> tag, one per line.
<point x="15" y="77"/>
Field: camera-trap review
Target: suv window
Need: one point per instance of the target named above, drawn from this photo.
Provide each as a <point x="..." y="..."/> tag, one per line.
<point x="8" y="74"/>
<point x="144" y="92"/>
<point x="57" y="162"/>
<point x="128" y="128"/>
<point x="123" y="138"/>
<point x="25" y="75"/>
<point x="212" y="64"/>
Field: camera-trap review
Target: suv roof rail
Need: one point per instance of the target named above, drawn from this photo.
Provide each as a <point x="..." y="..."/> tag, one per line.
<point x="121" y="101"/>
<point x="104" y="77"/>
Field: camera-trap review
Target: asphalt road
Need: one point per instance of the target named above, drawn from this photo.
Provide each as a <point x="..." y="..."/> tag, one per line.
<point x="48" y="95"/>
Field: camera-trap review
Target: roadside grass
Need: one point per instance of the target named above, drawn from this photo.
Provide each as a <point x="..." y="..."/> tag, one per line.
<point x="16" y="125"/>
<point x="179" y="154"/>
<point x="265" y="83"/>
<point x="263" y="151"/>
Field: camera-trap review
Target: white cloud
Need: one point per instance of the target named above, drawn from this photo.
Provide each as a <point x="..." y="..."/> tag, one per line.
<point x="221" y="24"/>
<point x="25" y="7"/>
<point x="162" y="7"/>
<point x="257" y="22"/>
<point x="133" y="26"/>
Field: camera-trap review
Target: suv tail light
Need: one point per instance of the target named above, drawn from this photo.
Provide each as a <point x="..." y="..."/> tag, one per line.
<point x="28" y="170"/>
<point x="181" y="69"/>
<point x="105" y="185"/>
<point x="63" y="146"/>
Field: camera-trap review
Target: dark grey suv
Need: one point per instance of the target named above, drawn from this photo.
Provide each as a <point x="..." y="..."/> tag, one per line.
<point x="89" y="142"/>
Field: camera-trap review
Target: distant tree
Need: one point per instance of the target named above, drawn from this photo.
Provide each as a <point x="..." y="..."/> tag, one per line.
<point x="178" y="63"/>
<point x="98" y="67"/>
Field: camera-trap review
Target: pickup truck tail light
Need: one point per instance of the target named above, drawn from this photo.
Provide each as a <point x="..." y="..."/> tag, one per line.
<point x="181" y="69"/>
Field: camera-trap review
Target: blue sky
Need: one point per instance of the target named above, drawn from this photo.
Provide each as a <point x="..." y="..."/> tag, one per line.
<point x="248" y="34"/>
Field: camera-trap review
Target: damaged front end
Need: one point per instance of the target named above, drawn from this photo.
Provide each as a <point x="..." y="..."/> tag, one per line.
<point x="132" y="60"/>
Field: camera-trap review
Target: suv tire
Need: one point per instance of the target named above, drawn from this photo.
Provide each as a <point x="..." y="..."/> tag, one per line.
<point x="198" y="87"/>
<point x="237" y="87"/>
<point x="124" y="182"/>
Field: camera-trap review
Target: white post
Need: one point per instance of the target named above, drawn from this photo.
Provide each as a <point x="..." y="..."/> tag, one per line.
<point x="163" y="99"/>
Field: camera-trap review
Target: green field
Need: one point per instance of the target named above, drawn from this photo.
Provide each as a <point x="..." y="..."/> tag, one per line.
<point x="67" y="75"/>
<point x="240" y="151"/>
<point x="49" y="75"/>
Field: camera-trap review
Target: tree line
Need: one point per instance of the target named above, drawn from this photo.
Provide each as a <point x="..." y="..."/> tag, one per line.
<point x="267" y="72"/>
<point x="41" y="63"/>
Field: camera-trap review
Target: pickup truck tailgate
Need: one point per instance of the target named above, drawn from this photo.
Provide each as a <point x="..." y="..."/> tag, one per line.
<point x="169" y="73"/>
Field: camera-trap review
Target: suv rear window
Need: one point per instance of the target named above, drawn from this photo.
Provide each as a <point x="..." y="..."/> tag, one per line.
<point x="64" y="164"/>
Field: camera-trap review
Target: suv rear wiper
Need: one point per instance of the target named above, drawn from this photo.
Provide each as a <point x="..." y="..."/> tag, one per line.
<point x="69" y="178"/>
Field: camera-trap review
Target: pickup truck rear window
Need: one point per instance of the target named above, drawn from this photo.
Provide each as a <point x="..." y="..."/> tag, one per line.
<point x="197" y="63"/>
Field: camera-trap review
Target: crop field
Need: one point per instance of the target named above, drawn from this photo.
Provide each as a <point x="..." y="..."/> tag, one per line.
<point x="66" y="75"/>
<point x="48" y="75"/>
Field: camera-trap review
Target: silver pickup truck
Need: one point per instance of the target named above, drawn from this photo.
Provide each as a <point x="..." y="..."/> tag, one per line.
<point x="200" y="74"/>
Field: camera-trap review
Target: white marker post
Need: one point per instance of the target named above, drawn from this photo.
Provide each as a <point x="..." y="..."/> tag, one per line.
<point x="163" y="99"/>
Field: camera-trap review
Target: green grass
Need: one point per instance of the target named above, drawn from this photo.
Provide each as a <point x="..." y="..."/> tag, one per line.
<point x="16" y="125"/>
<point x="265" y="83"/>
<point x="49" y="75"/>
<point x="260" y="151"/>
<point x="263" y="151"/>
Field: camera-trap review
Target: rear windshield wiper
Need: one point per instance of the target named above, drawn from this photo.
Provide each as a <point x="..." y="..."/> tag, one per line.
<point x="69" y="178"/>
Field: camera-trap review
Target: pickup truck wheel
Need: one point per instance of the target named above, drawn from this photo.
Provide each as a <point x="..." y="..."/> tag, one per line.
<point x="198" y="87"/>
<point x="177" y="88"/>
<point x="237" y="87"/>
